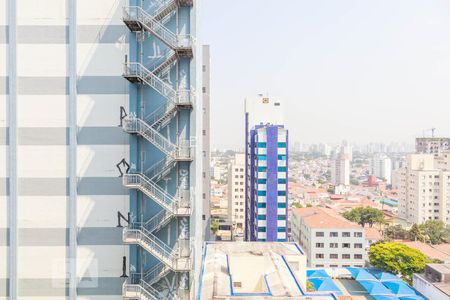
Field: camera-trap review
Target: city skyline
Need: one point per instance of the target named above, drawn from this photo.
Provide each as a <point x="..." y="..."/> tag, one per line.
<point x="364" y="83"/>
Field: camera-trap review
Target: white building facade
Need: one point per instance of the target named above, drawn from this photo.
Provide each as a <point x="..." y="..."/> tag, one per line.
<point x="236" y="193"/>
<point x="381" y="167"/>
<point x="329" y="240"/>
<point x="424" y="188"/>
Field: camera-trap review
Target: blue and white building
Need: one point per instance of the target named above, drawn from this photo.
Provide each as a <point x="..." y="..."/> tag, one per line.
<point x="266" y="172"/>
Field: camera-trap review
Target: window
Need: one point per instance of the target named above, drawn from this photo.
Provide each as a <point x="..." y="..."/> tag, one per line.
<point x="357" y="234"/>
<point x="262" y="145"/>
<point x="358" y="245"/>
<point x="281" y="157"/>
<point x="320" y="234"/>
<point x="261" y="217"/>
<point x="262" y="193"/>
<point x="320" y="245"/>
<point x="346" y="245"/>
<point x="262" y="157"/>
<point x="204" y="90"/>
<point x="261" y="229"/>
<point x="333" y="234"/>
<point x="333" y="266"/>
<point x="345" y="256"/>
<point x="281" y="193"/>
<point x="346" y="234"/>
<point x="281" y="169"/>
<point x="281" y="229"/>
<point x="281" y="145"/>
<point x="334" y="256"/>
<point x="320" y="255"/>
<point x="262" y="169"/>
<point x="281" y="180"/>
<point x="333" y="245"/>
<point x="281" y="217"/>
<point x="282" y="205"/>
<point x="261" y="205"/>
<point x="262" y="181"/>
<point x="357" y="256"/>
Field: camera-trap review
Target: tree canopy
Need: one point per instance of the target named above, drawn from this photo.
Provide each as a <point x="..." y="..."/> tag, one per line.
<point x="435" y="231"/>
<point x="365" y="215"/>
<point x="398" y="258"/>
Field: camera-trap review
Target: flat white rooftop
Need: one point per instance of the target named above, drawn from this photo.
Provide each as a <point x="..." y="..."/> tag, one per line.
<point x="253" y="270"/>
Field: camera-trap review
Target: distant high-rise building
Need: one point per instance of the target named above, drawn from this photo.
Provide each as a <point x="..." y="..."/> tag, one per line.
<point x="423" y="188"/>
<point x="266" y="171"/>
<point x="381" y="167"/>
<point x="432" y="145"/>
<point x="236" y="193"/>
<point x="340" y="170"/>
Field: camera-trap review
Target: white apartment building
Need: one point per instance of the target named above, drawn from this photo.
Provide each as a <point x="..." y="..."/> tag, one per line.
<point x="340" y="170"/>
<point x="236" y="193"/>
<point x="329" y="240"/>
<point x="424" y="188"/>
<point x="381" y="167"/>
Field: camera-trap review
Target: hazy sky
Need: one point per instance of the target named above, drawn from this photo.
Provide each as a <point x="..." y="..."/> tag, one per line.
<point x="361" y="70"/>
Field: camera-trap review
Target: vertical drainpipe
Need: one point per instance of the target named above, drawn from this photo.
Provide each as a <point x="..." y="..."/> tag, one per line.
<point x="12" y="199"/>
<point x="72" y="211"/>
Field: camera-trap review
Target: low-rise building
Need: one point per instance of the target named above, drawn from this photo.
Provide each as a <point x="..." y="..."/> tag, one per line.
<point x="435" y="282"/>
<point x="329" y="240"/>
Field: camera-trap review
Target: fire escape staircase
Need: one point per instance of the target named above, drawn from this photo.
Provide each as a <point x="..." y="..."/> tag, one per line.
<point x="139" y="286"/>
<point x="138" y="19"/>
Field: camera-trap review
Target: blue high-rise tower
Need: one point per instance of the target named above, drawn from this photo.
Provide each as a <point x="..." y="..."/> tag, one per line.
<point x="164" y="121"/>
<point x="266" y="172"/>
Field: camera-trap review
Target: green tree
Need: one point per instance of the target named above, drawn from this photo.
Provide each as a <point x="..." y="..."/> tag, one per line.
<point x="214" y="227"/>
<point x="296" y="205"/>
<point x="309" y="205"/>
<point x="398" y="258"/>
<point x="436" y="231"/>
<point x="396" y="232"/>
<point x="365" y="215"/>
<point x="416" y="233"/>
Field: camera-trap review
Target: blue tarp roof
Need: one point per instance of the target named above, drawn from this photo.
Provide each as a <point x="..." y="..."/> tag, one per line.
<point x="375" y="288"/>
<point x="325" y="285"/>
<point x="317" y="274"/>
<point x="385" y="298"/>
<point x="383" y="276"/>
<point x="361" y="274"/>
<point x="399" y="288"/>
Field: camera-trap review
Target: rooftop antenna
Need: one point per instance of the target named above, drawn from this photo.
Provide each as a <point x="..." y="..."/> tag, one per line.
<point x="432" y="132"/>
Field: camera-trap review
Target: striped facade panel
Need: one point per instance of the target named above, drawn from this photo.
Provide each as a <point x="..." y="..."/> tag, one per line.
<point x="4" y="154"/>
<point x="43" y="84"/>
<point x="102" y="94"/>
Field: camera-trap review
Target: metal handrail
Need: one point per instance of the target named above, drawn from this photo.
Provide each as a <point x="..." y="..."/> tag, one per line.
<point x="147" y="238"/>
<point x="137" y="286"/>
<point x="138" y="70"/>
<point x="136" y="13"/>
<point x="164" y="6"/>
<point x="135" y="125"/>
<point x="157" y="220"/>
<point x="151" y="189"/>
<point x="155" y="272"/>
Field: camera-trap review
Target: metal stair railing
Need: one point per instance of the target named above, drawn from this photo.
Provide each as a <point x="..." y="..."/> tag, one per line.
<point x="180" y="96"/>
<point x="161" y="116"/>
<point x="156" y="171"/>
<point x="158" y="220"/>
<point x="165" y="9"/>
<point x="152" y="190"/>
<point x="151" y="243"/>
<point x="135" y="287"/>
<point x="155" y="273"/>
<point x="148" y="22"/>
<point x="135" y="125"/>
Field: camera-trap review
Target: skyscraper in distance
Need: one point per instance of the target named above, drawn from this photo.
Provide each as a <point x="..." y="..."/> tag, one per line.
<point x="266" y="170"/>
